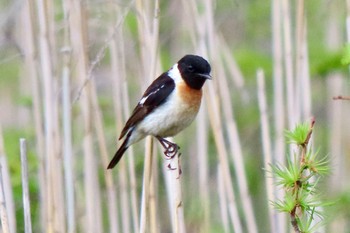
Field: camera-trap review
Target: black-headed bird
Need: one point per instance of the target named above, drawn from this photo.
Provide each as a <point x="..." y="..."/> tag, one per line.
<point x="168" y="105"/>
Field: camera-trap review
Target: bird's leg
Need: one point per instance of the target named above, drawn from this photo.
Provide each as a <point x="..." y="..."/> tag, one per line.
<point x="171" y="149"/>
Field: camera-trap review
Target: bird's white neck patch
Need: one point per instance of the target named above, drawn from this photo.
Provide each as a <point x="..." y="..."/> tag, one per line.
<point x="175" y="74"/>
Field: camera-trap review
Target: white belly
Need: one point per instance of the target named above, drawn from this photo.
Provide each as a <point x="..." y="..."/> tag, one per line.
<point x="170" y="118"/>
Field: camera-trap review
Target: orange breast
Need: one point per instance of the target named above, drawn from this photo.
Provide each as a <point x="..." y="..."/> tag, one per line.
<point x="189" y="96"/>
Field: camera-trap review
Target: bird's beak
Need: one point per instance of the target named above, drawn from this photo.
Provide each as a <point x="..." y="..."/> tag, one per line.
<point x="206" y="76"/>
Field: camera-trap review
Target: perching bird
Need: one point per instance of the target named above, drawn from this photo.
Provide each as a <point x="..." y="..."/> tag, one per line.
<point x="168" y="105"/>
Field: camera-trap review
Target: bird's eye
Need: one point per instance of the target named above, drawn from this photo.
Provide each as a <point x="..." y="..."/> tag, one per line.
<point x="190" y="68"/>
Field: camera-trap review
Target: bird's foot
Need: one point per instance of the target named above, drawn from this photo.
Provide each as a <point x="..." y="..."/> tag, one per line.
<point x="170" y="151"/>
<point x="170" y="148"/>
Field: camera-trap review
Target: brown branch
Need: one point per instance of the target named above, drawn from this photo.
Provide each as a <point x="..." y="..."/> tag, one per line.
<point x="294" y="220"/>
<point x="306" y="142"/>
<point x="340" y="97"/>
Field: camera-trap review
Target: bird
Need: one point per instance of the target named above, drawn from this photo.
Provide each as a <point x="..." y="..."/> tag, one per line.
<point x="168" y="106"/>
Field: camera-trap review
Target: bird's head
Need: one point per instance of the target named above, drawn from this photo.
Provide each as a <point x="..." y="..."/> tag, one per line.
<point x="195" y="70"/>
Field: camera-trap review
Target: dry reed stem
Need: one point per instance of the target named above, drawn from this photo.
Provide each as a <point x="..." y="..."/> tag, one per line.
<point x="3" y="211"/>
<point x="280" y="223"/>
<point x="147" y="173"/>
<point x="236" y="150"/>
<point x="55" y="217"/>
<point x="288" y="63"/>
<point x="222" y="199"/>
<point x="148" y="28"/>
<point x="67" y="152"/>
<point x="30" y="63"/>
<point x="203" y="167"/>
<point x="174" y="193"/>
<point x="234" y="71"/>
<point x="6" y="211"/>
<point x="222" y="155"/>
<point x="67" y="129"/>
<point x="205" y="32"/>
<point x="77" y="22"/>
<point x="98" y="123"/>
<point x="124" y="201"/>
<point x="153" y="211"/>
<point x="299" y="58"/>
<point x="336" y="117"/>
<point x="122" y="107"/>
<point x="266" y="144"/>
<point x="25" y="187"/>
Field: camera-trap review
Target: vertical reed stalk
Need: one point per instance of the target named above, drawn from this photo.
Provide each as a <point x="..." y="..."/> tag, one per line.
<point x="266" y="144"/>
<point x="236" y="151"/>
<point x="77" y="23"/>
<point x="3" y="211"/>
<point x="153" y="210"/>
<point x="174" y="193"/>
<point x="30" y="60"/>
<point x="55" y="217"/>
<point x="279" y="224"/>
<point x="147" y="173"/>
<point x="203" y="167"/>
<point x="288" y="63"/>
<point x="335" y="85"/>
<point x="222" y="200"/>
<point x="223" y="160"/>
<point x="67" y="152"/>
<point x="121" y="106"/>
<point x="67" y="128"/>
<point x="25" y="187"/>
<point x="98" y="122"/>
<point x="124" y="201"/>
<point x="6" y="211"/>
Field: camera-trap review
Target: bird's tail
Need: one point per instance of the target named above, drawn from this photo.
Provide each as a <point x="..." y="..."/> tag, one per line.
<point x="118" y="155"/>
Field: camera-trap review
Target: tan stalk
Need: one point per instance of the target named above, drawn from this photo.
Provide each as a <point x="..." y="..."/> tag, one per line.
<point x="148" y="27"/>
<point x="153" y="194"/>
<point x="202" y="166"/>
<point x="122" y="110"/>
<point x="266" y="145"/>
<point x="67" y="128"/>
<point x="288" y="63"/>
<point x="54" y="190"/>
<point x="222" y="200"/>
<point x="123" y="192"/>
<point x="336" y="116"/>
<point x="30" y="61"/>
<point x="147" y="173"/>
<point x="279" y="222"/>
<point x="77" y="23"/>
<point x="25" y="187"/>
<point x="174" y="192"/>
<point x="6" y="198"/>
<point x="215" y="122"/>
<point x="235" y="149"/>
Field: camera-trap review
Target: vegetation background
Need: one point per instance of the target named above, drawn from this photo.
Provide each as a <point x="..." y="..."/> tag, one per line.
<point x="71" y="71"/>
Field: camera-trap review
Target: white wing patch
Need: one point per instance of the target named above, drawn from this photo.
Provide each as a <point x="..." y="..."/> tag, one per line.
<point x="143" y="100"/>
<point x="174" y="74"/>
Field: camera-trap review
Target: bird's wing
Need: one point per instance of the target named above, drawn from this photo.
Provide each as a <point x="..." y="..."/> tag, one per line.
<point x="154" y="96"/>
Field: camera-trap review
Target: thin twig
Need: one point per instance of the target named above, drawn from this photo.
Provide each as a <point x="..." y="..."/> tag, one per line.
<point x="340" y="97"/>
<point x="101" y="53"/>
<point x="306" y="142"/>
